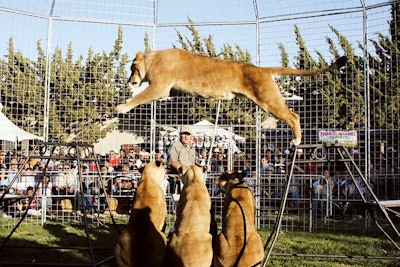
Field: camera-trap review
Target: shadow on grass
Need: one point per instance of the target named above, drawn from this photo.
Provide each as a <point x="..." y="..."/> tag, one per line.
<point x="57" y="244"/>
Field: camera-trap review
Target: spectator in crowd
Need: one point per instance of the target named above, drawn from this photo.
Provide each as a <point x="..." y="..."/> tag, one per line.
<point x="214" y="158"/>
<point x="2" y="174"/>
<point x="312" y="167"/>
<point x="107" y="179"/>
<point x="11" y="172"/>
<point x="281" y="164"/>
<point x="144" y="157"/>
<point x="18" y="155"/>
<point x="239" y="159"/>
<point x="45" y="189"/>
<point x="69" y="183"/>
<point x="202" y="158"/>
<point x="323" y="189"/>
<point x="165" y="185"/>
<point x="64" y="182"/>
<point x="217" y="189"/>
<point x="125" y="182"/>
<point x="110" y="169"/>
<point x="299" y="168"/>
<point x="92" y="164"/>
<point x="3" y="166"/>
<point x="131" y="163"/>
<point x="330" y="183"/>
<point x="114" y="159"/>
<point x="122" y="155"/>
<point x="131" y="154"/>
<point x="271" y="188"/>
<point x="26" y="167"/>
<point x="94" y="190"/>
<point x="34" y="160"/>
<point x="221" y="164"/>
<point x="266" y="165"/>
<point x="32" y="208"/>
<point x="26" y="179"/>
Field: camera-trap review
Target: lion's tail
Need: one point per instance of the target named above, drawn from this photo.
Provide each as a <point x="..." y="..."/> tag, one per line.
<point x="340" y="62"/>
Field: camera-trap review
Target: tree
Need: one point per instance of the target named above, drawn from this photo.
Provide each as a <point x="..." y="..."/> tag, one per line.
<point x="329" y="100"/>
<point x="82" y="95"/>
<point x="22" y="90"/>
<point x="385" y="78"/>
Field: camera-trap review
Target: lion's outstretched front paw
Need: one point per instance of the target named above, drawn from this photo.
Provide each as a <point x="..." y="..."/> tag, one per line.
<point x="123" y="108"/>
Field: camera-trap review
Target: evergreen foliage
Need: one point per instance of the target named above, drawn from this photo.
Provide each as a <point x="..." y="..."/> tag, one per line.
<point x="83" y="91"/>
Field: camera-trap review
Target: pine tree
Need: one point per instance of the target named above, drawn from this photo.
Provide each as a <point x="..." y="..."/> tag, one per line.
<point x="340" y="96"/>
<point x="83" y="94"/>
<point x="385" y="79"/>
<point x="21" y="90"/>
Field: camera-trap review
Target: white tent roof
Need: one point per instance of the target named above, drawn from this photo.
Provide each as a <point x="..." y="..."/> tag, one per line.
<point x="11" y="132"/>
<point x="114" y="140"/>
<point x="205" y="127"/>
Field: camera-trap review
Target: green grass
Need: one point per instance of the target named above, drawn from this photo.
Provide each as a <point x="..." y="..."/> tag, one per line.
<point x="343" y="249"/>
<point x="340" y="250"/>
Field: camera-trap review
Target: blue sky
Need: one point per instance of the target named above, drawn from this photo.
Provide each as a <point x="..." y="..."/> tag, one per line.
<point x="229" y="21"/>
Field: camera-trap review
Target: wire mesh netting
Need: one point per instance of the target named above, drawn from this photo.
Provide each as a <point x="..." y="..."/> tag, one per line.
<point x="64" y="68"/>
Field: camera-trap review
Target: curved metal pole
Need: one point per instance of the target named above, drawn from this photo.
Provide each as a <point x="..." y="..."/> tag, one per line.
<point x="274" y="234"/>
<point x="214" y="133"/>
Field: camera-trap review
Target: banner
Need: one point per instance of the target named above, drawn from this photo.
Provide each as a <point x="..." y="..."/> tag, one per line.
<point x="346" y="138"/>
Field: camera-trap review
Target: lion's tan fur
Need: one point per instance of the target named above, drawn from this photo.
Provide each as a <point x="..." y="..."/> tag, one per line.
<point x="213" y="78"/>
<point x="238" y="226"/>
<point x="191" y="243"/>
<point x="144" y="243"/>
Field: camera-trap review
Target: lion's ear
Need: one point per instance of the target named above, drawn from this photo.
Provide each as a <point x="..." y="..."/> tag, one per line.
<point x="139" y="56"/>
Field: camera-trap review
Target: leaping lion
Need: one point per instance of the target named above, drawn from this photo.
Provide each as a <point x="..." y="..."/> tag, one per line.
<point x="214" y="78"/>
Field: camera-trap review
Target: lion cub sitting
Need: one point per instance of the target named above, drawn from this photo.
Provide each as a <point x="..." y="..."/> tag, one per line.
<point x="238" y="244"/>
<point x="144" y="243"/>
<point x="191" y="243"/>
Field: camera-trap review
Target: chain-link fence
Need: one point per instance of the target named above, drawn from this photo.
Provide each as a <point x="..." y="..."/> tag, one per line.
<point x="65" y="64"/>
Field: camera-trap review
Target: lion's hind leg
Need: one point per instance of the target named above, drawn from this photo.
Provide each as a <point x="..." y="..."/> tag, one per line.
<point x="254" y="251"/>
<point x="123" y="251"/>
<point x="293" y="120"/>
<point x="222" y="251"/>
<point x="272" y="101"/>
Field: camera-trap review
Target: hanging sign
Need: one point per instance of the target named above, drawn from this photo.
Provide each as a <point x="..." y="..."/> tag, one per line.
<point x="346" y="138"/>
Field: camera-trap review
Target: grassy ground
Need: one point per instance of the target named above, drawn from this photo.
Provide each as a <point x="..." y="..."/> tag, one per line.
<point x="52" y="244"/>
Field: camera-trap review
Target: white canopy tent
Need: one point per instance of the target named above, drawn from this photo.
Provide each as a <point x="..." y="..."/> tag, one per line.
<point x="205" y="127"/>
<point x="12" y="133"/>
<point x="114" y="140"/>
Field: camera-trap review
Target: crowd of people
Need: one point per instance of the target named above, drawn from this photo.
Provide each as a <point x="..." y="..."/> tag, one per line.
<point x="119" y="171"/>
<point x="59" y="178"/>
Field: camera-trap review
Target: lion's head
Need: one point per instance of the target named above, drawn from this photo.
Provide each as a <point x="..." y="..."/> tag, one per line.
<point x="230" y="178"/>
<point x="192" y="173"/>
<point x="138" y="72"/>
<point x="154" y="170"/>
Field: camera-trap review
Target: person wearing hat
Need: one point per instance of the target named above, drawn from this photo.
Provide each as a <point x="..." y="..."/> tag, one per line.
<point x="11" y="172"/>
<point x="45" y="188"/>
<point x="181" y="153"/>
<point x="267" y="167"/>
<point x="3" y="166"/>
